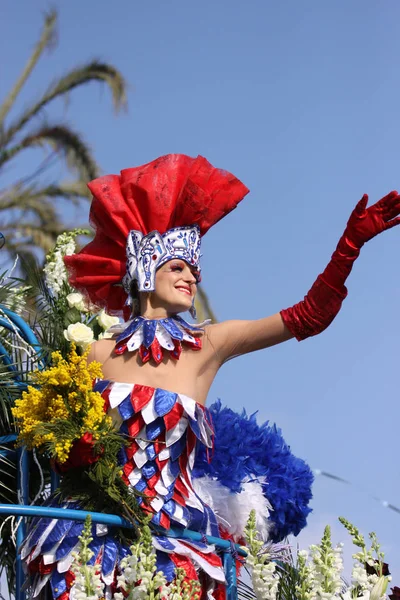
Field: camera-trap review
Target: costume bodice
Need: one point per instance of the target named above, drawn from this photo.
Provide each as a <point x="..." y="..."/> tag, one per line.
<point x="164" y="428"/>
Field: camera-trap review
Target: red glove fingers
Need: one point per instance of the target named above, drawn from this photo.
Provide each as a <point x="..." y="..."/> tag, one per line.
<point x="365" y="223"/>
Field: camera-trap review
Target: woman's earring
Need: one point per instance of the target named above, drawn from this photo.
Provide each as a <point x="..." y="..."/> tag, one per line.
<point x="192" y="311"/>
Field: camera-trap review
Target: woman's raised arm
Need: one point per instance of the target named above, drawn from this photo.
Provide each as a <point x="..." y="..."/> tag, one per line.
<point x="322" y="303"/>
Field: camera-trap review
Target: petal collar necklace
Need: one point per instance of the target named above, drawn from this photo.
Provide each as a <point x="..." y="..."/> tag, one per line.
<point x="152" y="336"/>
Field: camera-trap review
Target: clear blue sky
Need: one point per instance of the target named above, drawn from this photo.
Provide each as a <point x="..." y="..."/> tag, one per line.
<point x="300" y="99"/>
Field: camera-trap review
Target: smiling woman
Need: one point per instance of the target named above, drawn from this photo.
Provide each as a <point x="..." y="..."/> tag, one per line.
<point x="198" y="469"/>
<point x="176" y="284"/>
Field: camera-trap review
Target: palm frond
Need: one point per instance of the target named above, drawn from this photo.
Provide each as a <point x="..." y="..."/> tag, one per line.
<point x="29" y="204"/>
<point x="92" y="71"/>
<point x="40" y="202"/>
<point x="46" y="40"/>
<point x="203" y="306"/>
<point x="62" y="140"/>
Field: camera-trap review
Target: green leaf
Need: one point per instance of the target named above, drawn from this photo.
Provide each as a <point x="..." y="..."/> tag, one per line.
<point x="72" y="316"/>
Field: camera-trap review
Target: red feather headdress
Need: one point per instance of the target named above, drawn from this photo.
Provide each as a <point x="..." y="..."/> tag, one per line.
<point x="170" y="192"/>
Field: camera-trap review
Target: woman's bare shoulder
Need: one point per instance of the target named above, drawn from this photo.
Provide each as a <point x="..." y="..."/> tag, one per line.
<point x="101" y="350"/>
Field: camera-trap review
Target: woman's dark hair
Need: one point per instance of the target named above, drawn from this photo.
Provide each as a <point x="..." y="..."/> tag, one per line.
<point x="134" y="293"/>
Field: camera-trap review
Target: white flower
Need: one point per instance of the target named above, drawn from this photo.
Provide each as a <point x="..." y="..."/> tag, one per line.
<point x="76" y="300"/>
<point x="79" y="333"/>
<point x="55" y="272"/>
<point x="379" y="589"/>
<point x="106" y="321"/>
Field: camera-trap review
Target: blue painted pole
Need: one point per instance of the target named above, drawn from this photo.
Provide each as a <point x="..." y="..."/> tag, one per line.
<point x="230" y="574"/>
<point x="117" y="521"/>
<point x="23" y="492"/>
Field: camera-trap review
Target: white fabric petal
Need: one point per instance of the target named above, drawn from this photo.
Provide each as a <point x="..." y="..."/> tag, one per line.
<point x="134" y="476"/>
<point x="149" y="412"/>
<point x="40" y="584"/>
<point x="141" y="438"/>
<point x="140" y="458"/>
<point x="64" y="564"/>
<point x="101" y="529"/>
<point x="135" y="340"/>
<point x="118" y="393"/>
<point x="189" y="405"/>
<point x="175" y="434"/>
<point x="164" y="338"/>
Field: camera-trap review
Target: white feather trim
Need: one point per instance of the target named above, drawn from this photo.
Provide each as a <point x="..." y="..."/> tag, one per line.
<point x="233" y="509"/>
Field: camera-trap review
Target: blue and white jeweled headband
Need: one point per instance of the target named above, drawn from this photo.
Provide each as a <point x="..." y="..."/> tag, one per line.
<point x="146" y="253"/>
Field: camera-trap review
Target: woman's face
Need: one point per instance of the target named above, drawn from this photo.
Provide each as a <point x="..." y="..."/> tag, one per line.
<point x="176" y="285"/>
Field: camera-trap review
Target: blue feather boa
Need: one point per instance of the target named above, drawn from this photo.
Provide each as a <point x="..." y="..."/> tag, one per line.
<point x="243" y="448"/>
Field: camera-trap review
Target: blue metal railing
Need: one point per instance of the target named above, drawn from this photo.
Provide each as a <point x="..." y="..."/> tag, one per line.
<point x="25" y="510"/>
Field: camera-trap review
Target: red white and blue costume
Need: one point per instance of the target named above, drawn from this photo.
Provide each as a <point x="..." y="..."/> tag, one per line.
<point x="204" y="469"/>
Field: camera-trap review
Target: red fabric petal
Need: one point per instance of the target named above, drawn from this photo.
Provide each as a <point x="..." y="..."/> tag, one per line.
<point x="156" y="351"/>
<point x="173" y="417"/>
<point x="164" y="520"/>
<point x="135" y="424"/>
<point x="185" y="563"/>
<point x="176" y="352"/>
<point x="181" y="487"/>
<point x="128" y="468"/>
<point x="141" y="396"/>
<point x="131" y="449"/>
<point x="69" y="579"/>
<point x="153" y="480"/>
<point x="178" y="498"/>
<point x="144" y="354"/>
<point x="196" y="345"/>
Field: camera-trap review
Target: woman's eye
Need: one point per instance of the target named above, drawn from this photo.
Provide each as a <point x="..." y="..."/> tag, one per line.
<point x="177" y="268"/>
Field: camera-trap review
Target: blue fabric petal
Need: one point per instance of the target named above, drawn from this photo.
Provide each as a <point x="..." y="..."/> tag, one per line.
<point x="149" y="332"/>
<point x="69" y="541"/>
<point x="174" y="468"/>
<point x="195" y="428"/>
<point x="100" y="385"/>
<point x="40" y="527"/>
<point x="176" y="449"/>
<point x="164" y="401"/>
<point x="164" y="542"/>
<point x="149" y="469"/>
<point x="154" y="429"/>
<point x="122" y="457"/>
<point x="198" y="519"/>
<point x="169" y="507"/>
<point x="156" y="518"/>
<point x="141" y="485"/>
<point x="151" y="453"/>
<point x="95" y="545"/>
<point x="62" y="527"/>
<point x="125" y="409"/>
<point x="172" y="329"/>
<point x="188" y="326"/>
<point x="165" y="564"/>
<point x="110" y="556"/>
<point x="58" y="583"/>
<point x="130" y="330"/>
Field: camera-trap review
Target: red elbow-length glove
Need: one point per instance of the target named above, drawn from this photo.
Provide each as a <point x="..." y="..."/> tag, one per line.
<point x="322" y="303"/>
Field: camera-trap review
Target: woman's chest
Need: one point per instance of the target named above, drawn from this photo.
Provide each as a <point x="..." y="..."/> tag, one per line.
<point x="187" y="375"/>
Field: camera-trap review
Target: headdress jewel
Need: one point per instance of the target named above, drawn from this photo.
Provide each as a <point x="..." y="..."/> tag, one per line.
<point x="145" y="217"/>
